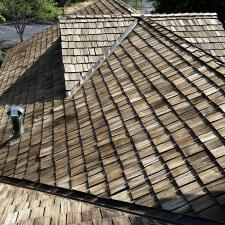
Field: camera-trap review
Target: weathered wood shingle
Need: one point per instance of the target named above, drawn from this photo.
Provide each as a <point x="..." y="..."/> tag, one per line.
<point x="23" y="206"/>
<point x="202" y="29"/>
<point x="107" y="7"/>
<point x="146" y="128"/>
<point x="84" y="39"/>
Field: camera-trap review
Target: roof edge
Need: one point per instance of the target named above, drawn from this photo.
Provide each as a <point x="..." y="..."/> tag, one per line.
<point x="180" y="14"/>
<point x="102" y="59"/>
<point x="139" y="210"/>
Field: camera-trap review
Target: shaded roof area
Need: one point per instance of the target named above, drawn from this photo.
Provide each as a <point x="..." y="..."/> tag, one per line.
<point x="202" y="29"/>
<point x="85" y="38"/>
<point x="21" y="206"/>
<point x="23" y="56"/>
<point x="146" y="128"/>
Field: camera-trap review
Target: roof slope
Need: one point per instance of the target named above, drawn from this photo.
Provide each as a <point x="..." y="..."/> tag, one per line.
<point x="25" y="55"/>
<point x="107" y="7"/>
<point x="147" y="128"/>
<point x="85" y="38"/>
<point x="202" y="29"/>
<point x="23" y="206"/>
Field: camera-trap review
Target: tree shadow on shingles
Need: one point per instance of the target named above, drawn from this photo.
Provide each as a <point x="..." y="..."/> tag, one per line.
<point x="42" y="82"/>
<point x="6" y="142"/>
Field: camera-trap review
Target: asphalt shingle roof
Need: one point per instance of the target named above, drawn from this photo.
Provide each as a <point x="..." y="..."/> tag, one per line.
<point x="147" y="127"/>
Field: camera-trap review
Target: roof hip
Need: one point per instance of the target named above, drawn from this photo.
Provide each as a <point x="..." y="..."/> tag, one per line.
<point x="101" y="60"/>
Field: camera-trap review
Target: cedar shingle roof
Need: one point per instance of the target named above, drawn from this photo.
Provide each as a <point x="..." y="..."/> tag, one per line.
<point x="85" y="38"/>
<point x="23" y="206"/>
<point x="147" y="127"/>
<point x="107" y="7"/>
<point x="22" y="58"/>
<point x="29" y="207"/>
<point x="202" y="29"/>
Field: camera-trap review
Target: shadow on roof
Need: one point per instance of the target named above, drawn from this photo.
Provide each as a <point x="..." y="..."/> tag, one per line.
<point x="42" y="82"/>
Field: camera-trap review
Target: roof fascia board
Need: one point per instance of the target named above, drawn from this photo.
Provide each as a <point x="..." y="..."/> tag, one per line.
<point x="102" y="59"/>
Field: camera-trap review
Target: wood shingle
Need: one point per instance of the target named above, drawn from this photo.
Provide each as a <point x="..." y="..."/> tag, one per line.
<point x="146" y="127"/>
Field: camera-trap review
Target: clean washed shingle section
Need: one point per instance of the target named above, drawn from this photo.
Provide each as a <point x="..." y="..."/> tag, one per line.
<point x="202" y="29"/>
<point x="85" y="39"/>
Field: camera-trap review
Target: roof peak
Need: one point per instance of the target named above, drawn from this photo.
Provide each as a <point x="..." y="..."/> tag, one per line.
<point x="129" y="8"/>
<point x="111" y="6"/>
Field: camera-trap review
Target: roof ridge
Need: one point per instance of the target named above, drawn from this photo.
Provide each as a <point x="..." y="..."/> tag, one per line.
<point x="75" y="16"/>
<point x="126" y="6"/>
<point x="188" y="46"/>
<point x="180" y="14"/>
<point x="139" y="210"/>
<point x="101" y="60"/>
<point x="121" y="3"/>
<point x="82" y="7"/>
